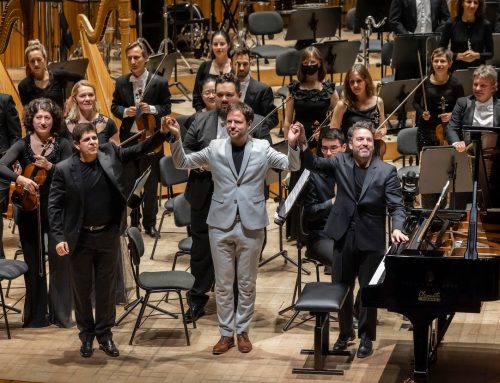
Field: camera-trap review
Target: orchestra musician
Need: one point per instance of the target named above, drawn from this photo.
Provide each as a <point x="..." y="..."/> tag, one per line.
<point x="82" y="107"/>
<point x="39" y="81"/>
<point x="138" y="96"/>
<point x="208" y="96"/>
<point x="86" y="209"/>
<point x="237" y="215"/>
<point x="10" y="132"/>
<point x="255" y="94"/>
<point x="469" y="35"/>
<point x="366" y="188"/>
<point x="42" y="119"/>
<point x="220" y="63"/>
<point x="318" y="201"/>
<point x="482" y="108"/>
<point x="418" y="16"/>
<point x="206" y="127"/>
<point x="359" y="102"/>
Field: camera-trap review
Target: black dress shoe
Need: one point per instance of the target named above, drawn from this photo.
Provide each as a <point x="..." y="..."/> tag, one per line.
<point x="197" y="312"/>
<point x="86" y="349"/>
<point x="365" y="348"/>
<point x="152" y="232"/>
<point x="109" y="348"/>
<point x="343" y="341"/>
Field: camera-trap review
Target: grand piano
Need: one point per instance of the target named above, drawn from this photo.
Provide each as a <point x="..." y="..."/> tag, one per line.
<point x="418" y="281"/>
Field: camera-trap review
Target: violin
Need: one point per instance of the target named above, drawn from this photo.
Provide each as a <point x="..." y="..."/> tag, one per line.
<point x="440" y="128"/>
<point x="22" y="197"/>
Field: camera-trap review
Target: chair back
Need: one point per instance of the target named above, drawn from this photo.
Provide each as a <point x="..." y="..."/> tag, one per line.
<point x="169" y="175"/>
<point x="265" y="23"/>
<point x="407" y="141"/>
<point x="135" y="245"/>
<point x="182" y="211"/>
<point x="287" y="64"/>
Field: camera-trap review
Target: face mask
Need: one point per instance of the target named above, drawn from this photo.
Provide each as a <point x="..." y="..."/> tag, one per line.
<point x="310" y="69"/>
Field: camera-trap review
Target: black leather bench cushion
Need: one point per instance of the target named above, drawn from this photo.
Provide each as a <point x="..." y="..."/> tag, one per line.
<point x="322" y="297"/>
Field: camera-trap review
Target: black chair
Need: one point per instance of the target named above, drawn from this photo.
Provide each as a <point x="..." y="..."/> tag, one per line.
<point x="265" y="24"/>
<point x="182" y="218"/>
<point x="156" y="282"/>
<point x="9" y="269"/>
<point x="320" y="299"/>
<point x="169" y="176"/>
<point x="407" y="146"/>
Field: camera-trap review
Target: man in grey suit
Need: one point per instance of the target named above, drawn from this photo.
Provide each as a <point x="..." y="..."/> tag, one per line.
<point x="207" y="126"/>
<point x="237" y="216"/>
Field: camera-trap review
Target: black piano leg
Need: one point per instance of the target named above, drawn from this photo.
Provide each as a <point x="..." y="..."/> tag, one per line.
<point x="421" y="349"/>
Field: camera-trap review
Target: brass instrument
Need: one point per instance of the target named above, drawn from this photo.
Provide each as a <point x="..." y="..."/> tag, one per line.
<point x="97" y="72"/>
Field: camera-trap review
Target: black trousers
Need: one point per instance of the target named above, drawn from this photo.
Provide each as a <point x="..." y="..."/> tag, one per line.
<point x="95" y="258"/>
<point x="134" y="170"/>
<point x="4" y="200"/>
<point x="201" y="263"/>
<point x="348" y="263"/>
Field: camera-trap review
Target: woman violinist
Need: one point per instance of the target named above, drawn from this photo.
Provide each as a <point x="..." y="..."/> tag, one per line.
<point x="42" y="119"/>
<point x="82" y="107"/>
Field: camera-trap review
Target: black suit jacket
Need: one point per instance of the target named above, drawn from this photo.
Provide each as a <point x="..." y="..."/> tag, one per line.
<point x="10" y="126"/>
<point x="463" y="114"/>
<point x="202" y="130"/>
<point x="66" y="199"/>
<point x="317" y="204"/>
<point x="403" y="15"/>
<point x="366" y="215"/>
<point x="157" y="94"/>
<point x="261" y="98"/>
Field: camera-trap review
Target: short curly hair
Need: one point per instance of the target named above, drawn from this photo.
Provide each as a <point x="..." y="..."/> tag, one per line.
<point x="47" y="105"/>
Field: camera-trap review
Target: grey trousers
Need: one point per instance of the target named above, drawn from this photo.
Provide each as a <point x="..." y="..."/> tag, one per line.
<point x="235" y="253"/>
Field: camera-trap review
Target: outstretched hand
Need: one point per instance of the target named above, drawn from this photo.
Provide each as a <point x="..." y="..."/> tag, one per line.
<point x="170" y="124"/>
<point x="296" y="134"/>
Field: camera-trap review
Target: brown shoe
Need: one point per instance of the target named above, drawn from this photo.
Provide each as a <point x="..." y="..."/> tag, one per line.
<point x="223" y="345"/>
<point x="244" y="344"/>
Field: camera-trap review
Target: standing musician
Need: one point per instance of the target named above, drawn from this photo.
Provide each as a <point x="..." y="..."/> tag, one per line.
<point x="418" y="16"/>
<point x="39" y="81"/>
<point x="434" y="104"/>
<point x="10" y="132"/>
<point x="366" y="188"/>
<point x="137" y="96"/>
<point x="237" y="215"/>
<point x="255" y="94"/>
<point x="42" y="119"/>
<point x="82" y="107"/>
<point x="482" y="108"/>
<point x="86" y="209"/>
<point x="206" y="127"/>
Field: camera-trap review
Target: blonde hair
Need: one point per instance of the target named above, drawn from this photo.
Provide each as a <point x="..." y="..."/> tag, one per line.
<point x="72" y="106"/>
<point x="33" y="46"/>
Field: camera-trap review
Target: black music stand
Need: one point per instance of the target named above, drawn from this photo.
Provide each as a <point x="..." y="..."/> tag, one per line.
<point x="312" y="24"/>
<point x="165" y="69"/>
<point x="438" y="164"/>
<point x="339" y="56"/>
<point x="78" y="66"/>
<point x="393" y="93"/>
<point x="405" y="53"/>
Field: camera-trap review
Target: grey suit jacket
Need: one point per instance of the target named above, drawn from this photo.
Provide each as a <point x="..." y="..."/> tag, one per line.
<point x="243" y="191"/>
<point x="463" y="114"/>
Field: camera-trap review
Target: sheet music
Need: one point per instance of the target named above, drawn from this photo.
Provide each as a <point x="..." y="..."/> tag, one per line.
<point x="280" y="216"/>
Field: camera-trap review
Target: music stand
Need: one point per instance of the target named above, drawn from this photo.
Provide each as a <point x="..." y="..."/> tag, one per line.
<point x="405" y="53"/>
<point x="393" y="93"/>
<point x="310" y="24"/>
<point x="436" y="163"/>
<point x="78" y="66"/>
<point x="165" y="69"/>
<point x="339" y="56"/>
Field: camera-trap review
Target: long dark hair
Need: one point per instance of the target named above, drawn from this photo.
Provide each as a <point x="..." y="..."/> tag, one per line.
<point x="348" y="96"/>
<point x="225" y="35"/>
<point x="479" y="11"/>
<point x="315" y="53"/>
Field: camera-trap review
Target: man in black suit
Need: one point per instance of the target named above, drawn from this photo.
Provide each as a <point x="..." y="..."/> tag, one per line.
<point x="205" y="127"/>
<point x="257" y="95"/>
<point x="366" y="188"/>
<point x="418" y="16"/>
<point x="86" y="209"/>
<point x="10" y="132"/>
<point x="136" y="95"/>
<point x="318" y="201"/>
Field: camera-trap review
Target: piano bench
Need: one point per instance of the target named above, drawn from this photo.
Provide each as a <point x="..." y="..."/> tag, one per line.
<point x="320" y="299"/>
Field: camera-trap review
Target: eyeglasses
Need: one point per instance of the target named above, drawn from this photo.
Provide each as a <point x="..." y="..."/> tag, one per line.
<point x="326" y="149"/>
<point x="209" y="93"/>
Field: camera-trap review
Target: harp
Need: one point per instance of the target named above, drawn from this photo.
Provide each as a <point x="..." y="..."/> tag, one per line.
<point x="97" y="71"/>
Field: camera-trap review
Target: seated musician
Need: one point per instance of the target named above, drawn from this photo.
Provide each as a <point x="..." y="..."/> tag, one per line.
<point x="319" y="200"/>
<point x="482" y="108"/>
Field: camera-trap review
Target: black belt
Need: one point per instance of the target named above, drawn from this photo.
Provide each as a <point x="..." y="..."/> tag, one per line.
<point x="96" y="229"/>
